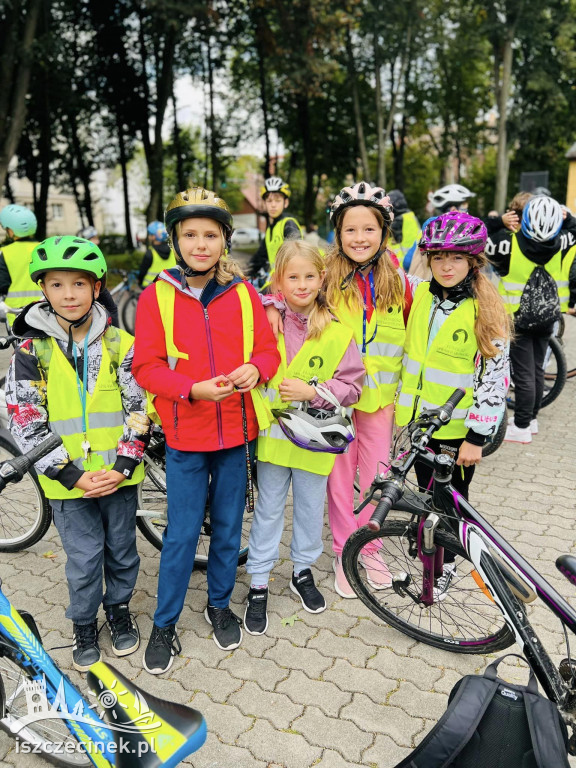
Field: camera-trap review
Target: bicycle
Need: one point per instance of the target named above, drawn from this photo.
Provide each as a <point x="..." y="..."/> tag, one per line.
<point x="483" y="609"/>
<point x="152" y="505"/>
<point x="45" y="712"/>
<point x="128" y="292"/>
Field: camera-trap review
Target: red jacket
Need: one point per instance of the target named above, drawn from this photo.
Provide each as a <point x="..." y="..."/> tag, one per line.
<point x="210" y="331"/>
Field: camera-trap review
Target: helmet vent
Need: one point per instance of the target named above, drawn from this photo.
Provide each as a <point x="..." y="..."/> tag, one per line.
<point x="91" y="257"/>
<point x="42" y="254"/>
<point x="69" y="252"/>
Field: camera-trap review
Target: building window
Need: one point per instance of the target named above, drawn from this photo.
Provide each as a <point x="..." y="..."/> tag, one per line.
<point x="57" y="211"/>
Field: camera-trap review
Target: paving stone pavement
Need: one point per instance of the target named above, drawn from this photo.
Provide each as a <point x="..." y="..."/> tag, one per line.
<point x="338" y="689"/>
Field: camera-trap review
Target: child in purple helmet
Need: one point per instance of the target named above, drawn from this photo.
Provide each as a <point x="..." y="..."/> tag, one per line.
<point x="457" y="336"/>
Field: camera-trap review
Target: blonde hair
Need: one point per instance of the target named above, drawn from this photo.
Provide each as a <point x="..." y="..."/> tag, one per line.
<point x="492" y="321"/>
<point x="226" y="269"/>
<point x="320" y="316"/>
<point x="388" y="286"/>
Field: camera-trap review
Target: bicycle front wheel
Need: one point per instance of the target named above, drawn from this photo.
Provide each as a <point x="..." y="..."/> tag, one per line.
<point x="43" y="734"/>
<point x="25" y="513"/>
<point x="465" y="621"/>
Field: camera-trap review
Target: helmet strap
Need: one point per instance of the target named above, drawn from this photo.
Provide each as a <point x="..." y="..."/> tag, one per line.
<point x="359" y="267"/>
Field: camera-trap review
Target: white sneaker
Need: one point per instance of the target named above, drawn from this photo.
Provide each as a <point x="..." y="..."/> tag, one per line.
<point x="533" y="425"/>
<point x="448" y="575"/>
<point x="516" y="435"/>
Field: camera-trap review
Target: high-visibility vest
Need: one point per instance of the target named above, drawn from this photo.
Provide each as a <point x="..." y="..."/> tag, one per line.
<point x="410" y="236"/>
<point x="104" y="411"/>
<point x="158" y="265"/>
<point x="166" y="296"/>
<point x="567" y="262"/>
<point x="383" y="356"/>
<point x="430" y="376"/>
<point x="22" y="290"/>
<point x="511" y="286"/>
<point x="315" y="358"/>
<point x="274" y="239"/>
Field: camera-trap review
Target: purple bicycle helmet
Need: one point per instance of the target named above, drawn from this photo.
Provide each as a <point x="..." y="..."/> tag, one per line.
<point x="454" y="231"/>
<point x="317" y="429"/>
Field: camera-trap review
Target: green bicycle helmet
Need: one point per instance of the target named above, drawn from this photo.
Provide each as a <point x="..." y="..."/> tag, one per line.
<point x="73" y="254"/>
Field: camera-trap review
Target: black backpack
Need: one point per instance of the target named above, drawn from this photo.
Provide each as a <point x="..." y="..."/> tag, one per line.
<point x="539" y="304"/>
<point x="490" y="723"/>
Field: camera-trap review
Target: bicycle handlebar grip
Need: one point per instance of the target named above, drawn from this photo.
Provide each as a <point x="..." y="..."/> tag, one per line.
<point x="21" y="464"/>
<point x="389" y="497"/>
<point x="453" y="401"/>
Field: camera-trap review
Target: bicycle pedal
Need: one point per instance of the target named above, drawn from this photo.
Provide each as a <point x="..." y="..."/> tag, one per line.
<point x="567" y="670"/>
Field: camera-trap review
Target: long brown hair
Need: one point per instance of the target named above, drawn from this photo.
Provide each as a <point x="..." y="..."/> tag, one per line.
<point x="492" y="321"/>
<point x="388" y="286"/>
<point x="320" y="316"/>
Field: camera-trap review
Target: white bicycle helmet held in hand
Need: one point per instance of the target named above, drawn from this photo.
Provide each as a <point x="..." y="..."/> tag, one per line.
<point x="542" y="219"/>
<point x="317" y="429"/>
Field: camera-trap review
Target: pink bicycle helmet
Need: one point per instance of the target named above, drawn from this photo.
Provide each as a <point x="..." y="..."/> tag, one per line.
<point x="361" y="194"/>
<point x="454" y="231"/>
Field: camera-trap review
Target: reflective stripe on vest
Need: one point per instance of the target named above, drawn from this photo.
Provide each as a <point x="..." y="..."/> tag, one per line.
<point x="383" y="358"/>
<point x="104" y="411"/>
<point x="511" y="286"/>
<point x="430" y="375"/>
<point x="22" y="290"/>
<point x="316" y="357"/>
<point x="158" y="265"/>
<point x="166" y="297"/>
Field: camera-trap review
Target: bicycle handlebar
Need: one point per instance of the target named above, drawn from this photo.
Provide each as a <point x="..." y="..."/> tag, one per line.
<point x="13" y="470"/>
<point x="390" y="496"/>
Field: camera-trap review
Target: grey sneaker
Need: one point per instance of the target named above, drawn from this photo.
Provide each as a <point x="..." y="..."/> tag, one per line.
<point x="85" y="648"/>
<point x="123" y="629"/>
<point x="256" y="617"/>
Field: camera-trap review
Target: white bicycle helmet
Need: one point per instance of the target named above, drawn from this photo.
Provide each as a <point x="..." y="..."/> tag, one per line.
<point x="88" y="232"/>
<point x="275" y="184"/>
<point x="317" y="429"/>
<point x="451" y="194"/>
<point x="542" y="219"/>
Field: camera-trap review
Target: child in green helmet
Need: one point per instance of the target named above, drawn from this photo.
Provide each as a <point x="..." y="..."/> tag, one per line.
<point x="72" y="375"/>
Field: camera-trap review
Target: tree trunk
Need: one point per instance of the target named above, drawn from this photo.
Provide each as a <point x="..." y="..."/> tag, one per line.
<point x="13" y="115"/>
<point x="124" y="167"/>
<point x="214" y="158"/>
<point x="381" y="172"/>
<point x="503" y="159"/>
<point x="303" y="107"/>
<point x="356" y="105"/>
<point x="263" y="97"/>
<point x="180" y="177"/>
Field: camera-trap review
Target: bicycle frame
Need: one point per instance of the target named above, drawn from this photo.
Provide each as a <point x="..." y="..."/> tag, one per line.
<point x="480" y="541"/>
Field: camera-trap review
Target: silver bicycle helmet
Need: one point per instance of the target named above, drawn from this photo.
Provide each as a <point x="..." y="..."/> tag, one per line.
<point x="317" y="429"/>
<point x="451" y="194"/>
<point x="542" y="219"/>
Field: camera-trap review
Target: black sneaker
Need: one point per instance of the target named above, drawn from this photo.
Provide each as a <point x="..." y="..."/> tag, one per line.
<point x="162" y="647"/>
<point x="123" y="629"/>
<point x="227" y="630"/>
<point x="85" y="648"/>
<point x="303" y="586"/>
<point x="255" y="617"/>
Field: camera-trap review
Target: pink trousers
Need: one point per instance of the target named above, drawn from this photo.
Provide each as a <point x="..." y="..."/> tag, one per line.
<point x="372" y="445"/>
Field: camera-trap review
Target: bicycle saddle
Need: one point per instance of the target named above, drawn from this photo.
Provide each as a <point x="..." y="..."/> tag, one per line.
<point x="153" y="731"/>
<point x="566" y="564"/>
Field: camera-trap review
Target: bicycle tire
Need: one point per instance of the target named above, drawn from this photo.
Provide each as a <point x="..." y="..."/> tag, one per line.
<point x="495" y="441"/>
<point x="25" y="513"/>
<point x="556" y="378"/>
<point x="44" y="733"/>
<point x="128" y="313"/>
<point x="152" y="496"/>
<point x="436" y="625"/>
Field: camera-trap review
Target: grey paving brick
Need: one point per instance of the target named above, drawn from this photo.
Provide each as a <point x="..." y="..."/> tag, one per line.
<point x="243" y="667"/>
<point x="382" y="718"/>
<point x="289" y="749"/>
<point x="369" y="681"/>
<point x="291" y="657"/>
<point x="398" y="667"/>
<point x="331" y="645"/>
<point x="275" y="707"/>
<point x="226" y="721"/>
<point x="347" y="738"/>
<point x="325" y="695"/>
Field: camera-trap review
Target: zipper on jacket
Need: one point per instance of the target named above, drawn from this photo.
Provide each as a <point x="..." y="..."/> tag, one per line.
<point x="417" y="397"/>
<point x="213" y="371"/>
<point x="175" y="413"/>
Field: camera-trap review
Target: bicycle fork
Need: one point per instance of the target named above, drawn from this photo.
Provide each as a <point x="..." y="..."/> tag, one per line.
<point x="432" y="559"/>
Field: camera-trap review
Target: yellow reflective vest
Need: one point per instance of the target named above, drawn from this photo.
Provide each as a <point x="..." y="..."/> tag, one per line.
<point x="383" y="356"/>
<point x="274" y="239"/>
<point x="511" y="286"/>
<point x="567" y="262"/>
<point x="158" y="265"/>
<point x="315" y="358"/>
<point x="165" y="295"/>
<point x="22" y="290"/>
<point x="431" y="373"/>
<point x="410" y="236"/>
<point x="104" y="411"/>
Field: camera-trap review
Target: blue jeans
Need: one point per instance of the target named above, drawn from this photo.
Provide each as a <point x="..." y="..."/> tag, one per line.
<point x="188" y="476"/>
<point x="98" y="535"/>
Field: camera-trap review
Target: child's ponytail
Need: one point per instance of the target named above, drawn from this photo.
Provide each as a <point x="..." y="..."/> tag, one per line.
<point x="492" y="322"/>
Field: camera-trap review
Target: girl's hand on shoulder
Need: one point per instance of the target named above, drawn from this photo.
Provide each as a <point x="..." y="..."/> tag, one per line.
<point x="215" y="390"/>
<point x="245" y="377"/>
<point x="275" y="320"/>
<point x="296" y="389"/>
<point x="469" y="454"/>
<point x="511" y="221"/>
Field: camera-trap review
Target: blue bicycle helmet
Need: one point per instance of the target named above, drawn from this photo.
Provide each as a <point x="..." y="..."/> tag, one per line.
<point x="19" y="219"/>
<point x="158" y="230"/>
